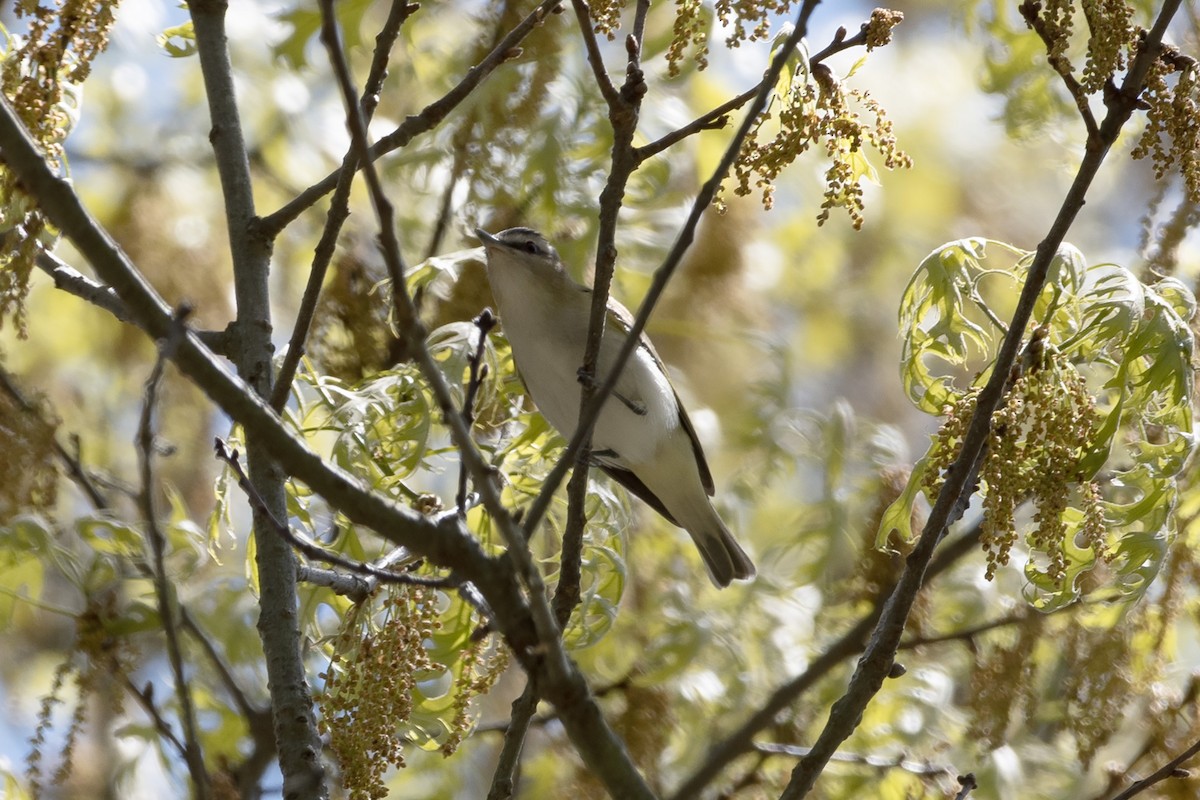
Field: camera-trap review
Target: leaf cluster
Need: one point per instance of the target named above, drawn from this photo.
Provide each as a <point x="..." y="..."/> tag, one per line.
<point x="1100" y="407"/>
<point x="41" y="73"/>
<point x="813" y="107"/>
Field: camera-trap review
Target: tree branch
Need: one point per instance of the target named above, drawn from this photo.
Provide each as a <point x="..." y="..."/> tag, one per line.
<point x="877" y="661"/>
<point x="339" y="209"/>
<point x="429" y="118"/>
<point x="741" y="740"/>
<point x="251" y="350"/>
<point x="523" y="709"/>
<point x="719" y="116"/>
<point x="73" y="282"/>
<point x="913" y="767"/>
<point x="356" y="588"/>
<point x="476" y="375"/>
<point x="1030" y="11"/>
<point x="601" y="749"/>
<point x="1172" y="769"/>
<point x="163" y="591"/>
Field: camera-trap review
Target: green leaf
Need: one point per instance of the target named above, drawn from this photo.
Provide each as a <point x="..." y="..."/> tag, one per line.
<point x="111" y="536"/>
<point x="898" y="515"/>
<point x="178" y="41"/>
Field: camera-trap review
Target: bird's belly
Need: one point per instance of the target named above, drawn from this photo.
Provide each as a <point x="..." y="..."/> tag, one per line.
<point x="549" y="369"/>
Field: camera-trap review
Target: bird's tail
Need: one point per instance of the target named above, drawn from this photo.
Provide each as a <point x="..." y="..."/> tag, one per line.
<point x="723" y="556"/>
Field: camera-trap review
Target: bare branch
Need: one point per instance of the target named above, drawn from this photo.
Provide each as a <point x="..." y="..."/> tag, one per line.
<point x="1059" y="63"/>
<point x="163" y="590"/>
<point x="595" y="59"/>
<point x="912" y="766"/>
<point x="71" y="281"/>
<point x="849" y="644"/>
<point x="523" y="709"/>
<point x="478" y="372"/>
<point x="1172" y="769"/>
<point x="70" y="460"/>
<point x="719" y="116"/>
<point x="712" y="120"/>
<point x="354" y="587"/>
<point x="339" y="209"/>
<point x="145" y="699"/>
<point x="429" y="118"/>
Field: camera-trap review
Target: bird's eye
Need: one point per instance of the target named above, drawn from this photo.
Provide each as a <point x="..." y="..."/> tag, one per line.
<point x="531" y="247"/>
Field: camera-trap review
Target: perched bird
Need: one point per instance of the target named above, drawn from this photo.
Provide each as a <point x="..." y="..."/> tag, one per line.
<point x="643" y="437"/>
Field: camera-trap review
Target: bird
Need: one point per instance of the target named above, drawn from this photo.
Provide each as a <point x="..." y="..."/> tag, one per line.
<point x="643" y="438"/>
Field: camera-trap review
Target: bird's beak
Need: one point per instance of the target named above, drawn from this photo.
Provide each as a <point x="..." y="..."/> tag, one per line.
<point x="487" y="239"/>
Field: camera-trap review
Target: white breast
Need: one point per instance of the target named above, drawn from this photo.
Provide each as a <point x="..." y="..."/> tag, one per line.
<point x="549" y="364"/>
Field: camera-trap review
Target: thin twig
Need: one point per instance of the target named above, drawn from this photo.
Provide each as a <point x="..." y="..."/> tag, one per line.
<point x="719" y="116"/>
<point x="476" y="375"/>
<point x="314" y="551"/>
<point x="876" y="663"/>
<point x="145" y="698"/>
<point x="429" y="118"/>
<point x="1172" y="769"/>
<point x="1030" y="11"/>
<point x="595" y="59"/>
<point x="163" y="591"/>
<point x="73" y="464"/>
<point x="339" y="210"/>
<point x="505" y="774"/>
<point x="911" y="766"/>
<point x="968" y="784"/>
<point x="711" y="120"/>
<point x="73" y="282"/>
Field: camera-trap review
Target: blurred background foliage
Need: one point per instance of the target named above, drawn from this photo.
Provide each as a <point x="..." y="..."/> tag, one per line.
<point x="783" y="340"/>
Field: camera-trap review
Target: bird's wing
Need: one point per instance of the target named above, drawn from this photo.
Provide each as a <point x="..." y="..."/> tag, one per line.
<point x="624" y="322"/>
<point x="634" y="484"/>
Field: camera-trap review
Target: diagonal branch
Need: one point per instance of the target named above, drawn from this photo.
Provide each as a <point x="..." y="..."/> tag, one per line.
<point x="163" y="591"/>
<point x="741" y="741"/>
<point x="1031" y="11"/>
<point x="719" y="116"/>
<point x="314" y="551"/>
<point x="600" y="748"/>
<point x="877" y="661"/>
<point x="73" y="282"/>
<point x="339" y="209"/>
<point x="1172" y="769"/>
<point x="429" y="118"/>
<point x="664" y="273"/>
